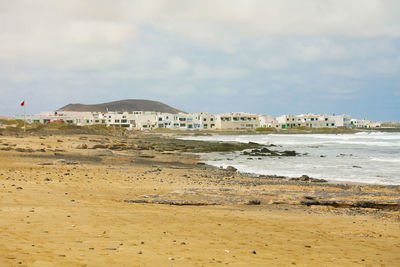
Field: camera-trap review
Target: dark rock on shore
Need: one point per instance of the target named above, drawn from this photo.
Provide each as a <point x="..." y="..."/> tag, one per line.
<point x="350" y="204"/>
<point x="265" y="152"/>
<point x="306" y="178"/>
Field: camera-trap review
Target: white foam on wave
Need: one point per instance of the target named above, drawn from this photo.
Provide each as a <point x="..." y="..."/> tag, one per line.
<point x="364" y="139"/>
<point x="394" y="160"/>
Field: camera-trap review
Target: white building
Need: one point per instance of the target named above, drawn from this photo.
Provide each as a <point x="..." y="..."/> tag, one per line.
<point x="142" y="120"/>
<point x="205" y="121"/>
<point x="365" y="124"/>
<point x="267" y="121"/>
<point x="341" y="120"/>
<point x="312" y="121"/>
<point x="237" y="120"/>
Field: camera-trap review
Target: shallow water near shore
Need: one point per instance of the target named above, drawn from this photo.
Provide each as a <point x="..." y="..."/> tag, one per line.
<point x="366" y="157"/>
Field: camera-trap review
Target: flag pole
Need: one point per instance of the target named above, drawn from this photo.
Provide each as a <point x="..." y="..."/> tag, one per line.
<point x="24" y="118"/>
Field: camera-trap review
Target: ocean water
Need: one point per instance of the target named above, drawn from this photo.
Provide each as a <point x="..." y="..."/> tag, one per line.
<point x="366" y="157"/>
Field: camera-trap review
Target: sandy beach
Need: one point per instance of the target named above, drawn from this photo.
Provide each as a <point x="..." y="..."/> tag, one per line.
<point x="143" y="200"/>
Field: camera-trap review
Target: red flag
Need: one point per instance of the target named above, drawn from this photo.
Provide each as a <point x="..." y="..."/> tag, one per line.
<point x="23" y="103"/>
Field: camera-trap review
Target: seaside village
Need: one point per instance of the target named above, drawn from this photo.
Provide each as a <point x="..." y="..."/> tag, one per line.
<point x="147" y="120"/>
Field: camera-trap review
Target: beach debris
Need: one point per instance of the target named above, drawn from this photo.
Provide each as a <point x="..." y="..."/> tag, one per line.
<point x="253" y="252"/>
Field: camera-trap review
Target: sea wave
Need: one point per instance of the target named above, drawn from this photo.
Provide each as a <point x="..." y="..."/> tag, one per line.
<point x="394" y="160"/>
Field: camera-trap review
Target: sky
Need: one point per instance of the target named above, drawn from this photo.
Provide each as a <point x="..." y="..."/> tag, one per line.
<point x="263" y="56"/>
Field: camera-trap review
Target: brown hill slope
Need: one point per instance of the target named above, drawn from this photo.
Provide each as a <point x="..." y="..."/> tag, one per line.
<point x="123" y="105"/>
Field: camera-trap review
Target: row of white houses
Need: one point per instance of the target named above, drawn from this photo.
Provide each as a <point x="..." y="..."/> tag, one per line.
<point x="142" y="120"/>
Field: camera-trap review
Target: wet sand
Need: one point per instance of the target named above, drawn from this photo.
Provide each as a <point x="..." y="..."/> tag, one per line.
<point x="134" y="203"/>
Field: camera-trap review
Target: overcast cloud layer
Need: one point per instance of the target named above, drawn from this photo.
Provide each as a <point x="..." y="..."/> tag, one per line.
<point x="272" y="57"/>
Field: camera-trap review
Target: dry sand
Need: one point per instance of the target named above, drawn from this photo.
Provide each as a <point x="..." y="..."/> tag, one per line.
<point x="71" y="212"/>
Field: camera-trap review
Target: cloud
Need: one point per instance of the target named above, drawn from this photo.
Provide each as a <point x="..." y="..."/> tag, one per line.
<point x="226" y="54"/>
<point x="73" y="34"/>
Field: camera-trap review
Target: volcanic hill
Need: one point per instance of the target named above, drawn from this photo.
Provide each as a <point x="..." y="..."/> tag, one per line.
<point x="123" y="105"/>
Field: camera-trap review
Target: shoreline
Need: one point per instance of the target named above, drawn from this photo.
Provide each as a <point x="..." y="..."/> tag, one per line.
<point x="327" y="181"/>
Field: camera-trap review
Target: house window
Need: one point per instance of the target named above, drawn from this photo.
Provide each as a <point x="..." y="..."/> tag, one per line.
<point x="333" y="124"/>
<point x="212" y="119"/>
<point x="117" y="121"/>
<point x="123" y="121"/>
<point x="212" y="125"/>
<point x="312" y="119"/>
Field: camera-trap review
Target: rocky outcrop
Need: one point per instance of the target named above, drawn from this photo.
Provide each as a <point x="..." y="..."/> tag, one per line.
<point x="265" y="152"/>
